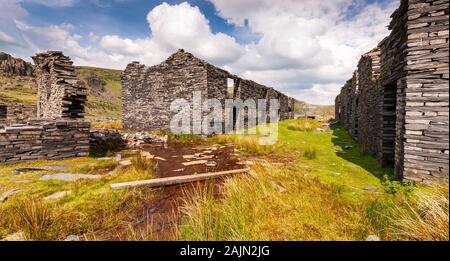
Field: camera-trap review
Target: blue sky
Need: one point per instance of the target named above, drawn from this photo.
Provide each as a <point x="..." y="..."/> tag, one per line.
<point x="306" y="48"/>
<point x="124" y="17"/>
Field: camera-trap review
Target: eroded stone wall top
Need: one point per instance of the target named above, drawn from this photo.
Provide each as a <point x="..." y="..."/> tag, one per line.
<point x="60" y="93"/>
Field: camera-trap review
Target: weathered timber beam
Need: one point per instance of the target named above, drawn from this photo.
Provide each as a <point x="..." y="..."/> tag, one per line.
<point x="161" y="182"/>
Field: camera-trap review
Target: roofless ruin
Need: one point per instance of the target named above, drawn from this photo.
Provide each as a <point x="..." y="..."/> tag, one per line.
<point x="396" y="103"/>
<point x="147" y="92"/>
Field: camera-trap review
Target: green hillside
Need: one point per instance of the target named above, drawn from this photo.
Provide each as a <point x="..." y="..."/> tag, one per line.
<point x="104" y="104"/>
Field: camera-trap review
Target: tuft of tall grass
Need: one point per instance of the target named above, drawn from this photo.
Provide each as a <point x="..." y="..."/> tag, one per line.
<point x="304" y="124"/>
<point x="33" y="217"/>
<point x="248" y="144"/>
<point x="419" y="215"/>
<point x="426" y="218"/>
<point x="181" y="139"/>
<point x="310" y="153"/>
<point x="141" y="164"/>
<point x="112" y="125"/>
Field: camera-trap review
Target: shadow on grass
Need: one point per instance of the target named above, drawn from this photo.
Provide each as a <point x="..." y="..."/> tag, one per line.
<point x="353" y="152"/>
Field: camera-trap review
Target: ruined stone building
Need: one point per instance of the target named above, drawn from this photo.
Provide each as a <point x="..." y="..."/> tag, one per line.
<point x="396" y="103"/>
<point x="58" y="130"/>
<point x="147" y="92"/>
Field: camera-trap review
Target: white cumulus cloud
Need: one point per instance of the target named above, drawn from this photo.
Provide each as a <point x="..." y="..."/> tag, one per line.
<point x="306" y="45"/>
<point x="307" y="49"/>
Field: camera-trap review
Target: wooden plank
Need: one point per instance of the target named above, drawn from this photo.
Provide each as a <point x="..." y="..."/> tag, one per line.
<point x="160" y="182"/>
<point x="195" y="162"/>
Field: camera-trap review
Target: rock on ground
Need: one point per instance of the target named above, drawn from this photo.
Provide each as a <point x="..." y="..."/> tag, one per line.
<point x="69" y="176"/>
<point x="58" y="194"/>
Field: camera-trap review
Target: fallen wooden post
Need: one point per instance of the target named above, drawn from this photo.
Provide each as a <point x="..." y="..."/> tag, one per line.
<point x="195" y="162"/>
<point x="160" y="182"/>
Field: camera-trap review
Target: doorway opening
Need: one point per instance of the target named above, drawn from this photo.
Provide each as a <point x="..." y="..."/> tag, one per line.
<point x="3" y="111"/>
<point x="388" y="127"/>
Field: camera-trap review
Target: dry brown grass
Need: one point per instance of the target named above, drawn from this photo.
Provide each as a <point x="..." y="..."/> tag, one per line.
<point x="32" y="217"/>
<point x="249" y="144"/>
<point x="303" y="124"/>
<point x="112" y="125"/>
<point x="425" y="218"/>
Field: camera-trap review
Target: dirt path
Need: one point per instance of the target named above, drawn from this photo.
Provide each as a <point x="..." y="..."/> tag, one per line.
<point x="169" y="160"/>
<point x="159" y="218"/>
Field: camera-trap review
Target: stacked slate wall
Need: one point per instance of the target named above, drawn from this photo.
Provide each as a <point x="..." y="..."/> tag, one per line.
<point x="16" y="113"/>
<point x="58" y="139"/>
<point x="60" y="93"/>
<point x="3" y="114"/>
<point x="369" y="100"/>
<point x="147" y="92"/>
<point x="426" y="139"/>
<point x="402" y="93"/>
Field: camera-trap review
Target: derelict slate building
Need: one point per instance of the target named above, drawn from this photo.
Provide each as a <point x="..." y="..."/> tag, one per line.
<point x="58" y="131"/>
<point x="147" y="92"/>
<point x="396" y="103"/>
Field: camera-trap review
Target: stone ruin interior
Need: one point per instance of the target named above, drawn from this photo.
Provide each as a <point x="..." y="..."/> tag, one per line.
<point x="396" y="103"/>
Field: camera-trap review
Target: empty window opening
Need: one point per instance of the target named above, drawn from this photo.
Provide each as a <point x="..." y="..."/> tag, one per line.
<point x="3" y="111"/>
<point x="389" y="120"/>
<point x="230" y="88"/>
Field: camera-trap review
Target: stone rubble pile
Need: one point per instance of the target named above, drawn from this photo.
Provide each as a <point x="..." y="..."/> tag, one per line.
<point x="104" y="136"/>
<point x="138" y="138"/>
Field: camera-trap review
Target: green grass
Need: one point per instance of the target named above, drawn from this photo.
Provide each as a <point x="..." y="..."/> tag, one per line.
<point x="319" y="197"/>
<point x="303" y="124"/>
<point x="114" y="124"/>
<point x="109" y="76"/>
<point x="310" y="153"/>
<point x="23" y="90"/>
<point x="103" y="108"/>
<point x="91" y="209"/>
<point x="103" y="74"/>
<point x="109" y="105"/>
<point x="249" y="144"/>
<point x="312" y="190"/>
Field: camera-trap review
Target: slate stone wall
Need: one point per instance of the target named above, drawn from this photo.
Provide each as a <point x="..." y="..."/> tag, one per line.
<point x="60" y="93"/>
<point x="426" y="90"/>
<point x="147" y="92"/>
<point x="57" y="139"/>
<point x="370" y="103"/>
<point x="402" y="93"/>
<point x="16" y="113"/>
